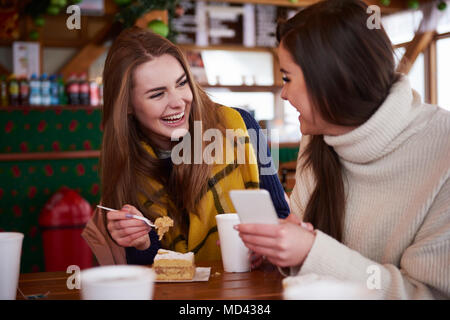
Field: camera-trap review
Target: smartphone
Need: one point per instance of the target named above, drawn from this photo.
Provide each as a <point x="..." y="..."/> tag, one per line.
<point x="254" y="206"/>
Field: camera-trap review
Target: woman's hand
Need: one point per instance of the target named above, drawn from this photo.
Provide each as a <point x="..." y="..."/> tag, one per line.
<point x="128" y="232"/>
<point x="258" y="259"/>
<point x="294" y="219"/>
<point x="286" y="244"/>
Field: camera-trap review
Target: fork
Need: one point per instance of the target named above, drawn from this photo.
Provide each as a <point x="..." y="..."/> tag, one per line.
<point x="148" y="222"/>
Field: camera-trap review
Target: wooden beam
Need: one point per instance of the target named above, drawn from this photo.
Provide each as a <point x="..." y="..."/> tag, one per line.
<point x="422" y="39"/>
<point x="431" y="74"/>
<point x="111" y="7"/>
<point x="277" y="76"/>
<point x="88" y="53"/>
<point x="420" y="42"/>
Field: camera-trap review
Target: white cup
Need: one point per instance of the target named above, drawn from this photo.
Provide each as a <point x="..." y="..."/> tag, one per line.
<point x="117" y="282"/>
<point x="318" y="287"/>
<point x="235" y="255"/>
<point x="10" y="252"/>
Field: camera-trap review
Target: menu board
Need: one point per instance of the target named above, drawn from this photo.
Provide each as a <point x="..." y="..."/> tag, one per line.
<point x="266" y="24"/>
<point x="206" y="23"/>
<point x="225" y="23"/>
<point x="185" y="25"/>
<point x="267" y="17"/>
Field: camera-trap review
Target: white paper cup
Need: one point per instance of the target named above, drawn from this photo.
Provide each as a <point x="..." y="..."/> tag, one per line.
<point x="10" y="252"/>
<point x="235" y="255"/>
<point x="314" y="287"/>
<point x="118" y="282"/>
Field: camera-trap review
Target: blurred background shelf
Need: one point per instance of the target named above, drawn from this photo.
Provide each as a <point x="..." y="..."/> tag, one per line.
<point x="43" y="148"/>
<point x="273" y="89"/>
<point x="27" y="108"/>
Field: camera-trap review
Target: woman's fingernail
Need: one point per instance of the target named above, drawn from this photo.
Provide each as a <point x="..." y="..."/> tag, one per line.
<point x="129" y="216"/>
<point x="236" y="227"/>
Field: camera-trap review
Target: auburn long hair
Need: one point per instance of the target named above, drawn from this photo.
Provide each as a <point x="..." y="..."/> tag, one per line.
<point x="125" y="166"/>
<point x="348" y="70"/>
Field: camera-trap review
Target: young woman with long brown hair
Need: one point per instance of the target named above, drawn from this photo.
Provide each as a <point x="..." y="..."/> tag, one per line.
<point x="150" y="102"/>
<point x="373" y="174"/>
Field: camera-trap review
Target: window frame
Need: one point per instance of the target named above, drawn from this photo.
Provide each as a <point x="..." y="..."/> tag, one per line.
<point x="431" y="67"/>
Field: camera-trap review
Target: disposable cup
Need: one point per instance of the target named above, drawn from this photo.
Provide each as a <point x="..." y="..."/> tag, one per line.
<point x="117" y="282"/>
<point x="235" y="255"/>
<point x="10" y="252"/>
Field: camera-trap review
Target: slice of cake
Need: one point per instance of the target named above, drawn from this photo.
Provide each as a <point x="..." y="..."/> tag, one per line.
<point x="171" y="265"/>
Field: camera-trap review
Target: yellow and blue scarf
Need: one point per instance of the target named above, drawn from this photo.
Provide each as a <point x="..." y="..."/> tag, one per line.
<point x="202" y="235"/>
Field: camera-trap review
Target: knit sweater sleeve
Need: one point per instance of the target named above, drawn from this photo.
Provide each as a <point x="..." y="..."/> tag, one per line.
<point x="268" y="176"/>
<point x="423" y="268"/>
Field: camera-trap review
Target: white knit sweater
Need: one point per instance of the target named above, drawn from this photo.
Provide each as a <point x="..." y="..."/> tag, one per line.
<point x="396" y="169"/>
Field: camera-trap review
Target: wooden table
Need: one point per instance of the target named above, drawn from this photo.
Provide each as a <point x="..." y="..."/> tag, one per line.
<point x="260" y="284"/>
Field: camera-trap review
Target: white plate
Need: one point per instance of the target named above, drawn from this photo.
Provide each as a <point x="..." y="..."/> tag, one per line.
<point x="201" y="274"/>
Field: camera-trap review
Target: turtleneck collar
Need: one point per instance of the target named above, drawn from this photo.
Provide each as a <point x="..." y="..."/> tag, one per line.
<point x="384" y="130"/>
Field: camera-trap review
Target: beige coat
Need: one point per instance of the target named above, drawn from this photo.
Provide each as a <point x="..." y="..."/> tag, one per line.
<point x="102" y="245"/>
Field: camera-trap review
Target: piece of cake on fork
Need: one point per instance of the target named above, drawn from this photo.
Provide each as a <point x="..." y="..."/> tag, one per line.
<point x="171" y="265"/>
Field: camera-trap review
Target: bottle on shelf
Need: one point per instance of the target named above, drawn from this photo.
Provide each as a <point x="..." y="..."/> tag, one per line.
<point x="100" y="92"/>
<point x="84" y="89"/>
<point x="62" y="97"/>
<point x="24" y="91"/>
<point x="13" y="91"/>
<point x="45" y="90"/>
<point x="54" y="96"/>
<point x="35" y="90"/>
<point x="94" y="94"/>
<point x="73" y="90"/>
<point x="3" y="91"/>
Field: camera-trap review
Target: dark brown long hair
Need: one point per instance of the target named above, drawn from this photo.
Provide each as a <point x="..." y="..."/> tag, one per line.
<point x="125" y="165"/>
<point x="348" y="70"/>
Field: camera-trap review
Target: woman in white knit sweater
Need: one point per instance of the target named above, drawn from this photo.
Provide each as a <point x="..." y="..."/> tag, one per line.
<point x="374" y="162"/>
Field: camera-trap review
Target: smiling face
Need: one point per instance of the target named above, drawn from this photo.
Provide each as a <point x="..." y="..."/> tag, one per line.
<point x="296" y="92"/>
<point x="162" y="100"/>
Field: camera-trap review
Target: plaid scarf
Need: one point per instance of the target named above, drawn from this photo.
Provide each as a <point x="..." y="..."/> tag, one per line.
<point x="202" y="235"/>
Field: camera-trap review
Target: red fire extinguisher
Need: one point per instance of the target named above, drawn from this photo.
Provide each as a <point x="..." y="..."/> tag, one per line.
<point x="62" y="220"/>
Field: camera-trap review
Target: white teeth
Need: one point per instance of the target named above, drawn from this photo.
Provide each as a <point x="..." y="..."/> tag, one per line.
<point x="175" y="117"/>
